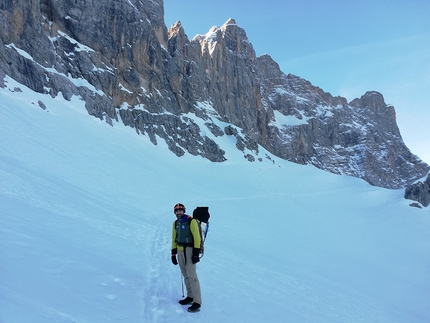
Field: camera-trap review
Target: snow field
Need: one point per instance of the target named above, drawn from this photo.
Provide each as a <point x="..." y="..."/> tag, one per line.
<point x="86" y="215"/>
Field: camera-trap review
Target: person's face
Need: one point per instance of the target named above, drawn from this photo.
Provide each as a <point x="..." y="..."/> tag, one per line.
<point x="179" y="213"/>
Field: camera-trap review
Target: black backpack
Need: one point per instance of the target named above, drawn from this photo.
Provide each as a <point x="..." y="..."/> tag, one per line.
<point x="201" y="215"/>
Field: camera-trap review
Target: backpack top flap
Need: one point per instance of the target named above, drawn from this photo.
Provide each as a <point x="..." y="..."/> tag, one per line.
<point x="201" y="213"/>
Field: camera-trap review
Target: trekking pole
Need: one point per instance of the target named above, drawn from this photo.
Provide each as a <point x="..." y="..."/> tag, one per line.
<point x="182" y="283"/>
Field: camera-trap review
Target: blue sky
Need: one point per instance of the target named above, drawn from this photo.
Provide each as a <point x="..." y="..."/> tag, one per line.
<point x="344" y="47"/>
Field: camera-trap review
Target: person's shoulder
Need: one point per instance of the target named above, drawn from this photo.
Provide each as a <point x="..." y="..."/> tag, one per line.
<point x="190" y="219"/>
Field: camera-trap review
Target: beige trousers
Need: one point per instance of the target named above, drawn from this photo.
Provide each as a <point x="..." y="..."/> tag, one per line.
<point x="188" y="270"/>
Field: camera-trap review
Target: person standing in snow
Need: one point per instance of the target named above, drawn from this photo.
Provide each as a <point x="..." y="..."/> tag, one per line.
<point x="186" y="242"/>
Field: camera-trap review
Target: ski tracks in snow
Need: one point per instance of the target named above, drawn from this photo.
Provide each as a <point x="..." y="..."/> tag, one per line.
<point x="158" y="290"/>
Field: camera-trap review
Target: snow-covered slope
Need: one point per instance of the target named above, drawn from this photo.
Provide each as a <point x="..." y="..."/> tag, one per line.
<point x="86" y="213"/>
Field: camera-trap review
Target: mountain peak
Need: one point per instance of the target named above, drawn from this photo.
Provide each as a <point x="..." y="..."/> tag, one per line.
<point x="230" y="21"/>
<point x="175" y="29"/>
<point x="372" y="99"/>
<point x="189" y="93"/>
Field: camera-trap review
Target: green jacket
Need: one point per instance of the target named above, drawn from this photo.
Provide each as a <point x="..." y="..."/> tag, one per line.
<point x="195" y="232"/>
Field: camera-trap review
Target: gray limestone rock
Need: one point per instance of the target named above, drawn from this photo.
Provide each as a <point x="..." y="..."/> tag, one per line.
<point x="419" y="192"/>
<point x="119" y="57"/>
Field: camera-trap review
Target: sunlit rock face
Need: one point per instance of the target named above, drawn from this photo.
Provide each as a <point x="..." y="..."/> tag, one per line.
<point x="120" y="58"/>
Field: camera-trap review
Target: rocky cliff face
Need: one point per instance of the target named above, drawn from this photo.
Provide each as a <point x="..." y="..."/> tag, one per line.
<point x="420" y="192"/>
<point x="120" y="58"/>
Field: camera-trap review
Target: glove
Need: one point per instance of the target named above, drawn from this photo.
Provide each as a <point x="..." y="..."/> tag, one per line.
<point x="174" y="260"/>
<point x="195" y="258"/>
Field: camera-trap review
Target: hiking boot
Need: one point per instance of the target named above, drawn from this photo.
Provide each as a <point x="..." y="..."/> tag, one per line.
<point x="194" y="308"/>
<point x="186" y="301"/>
